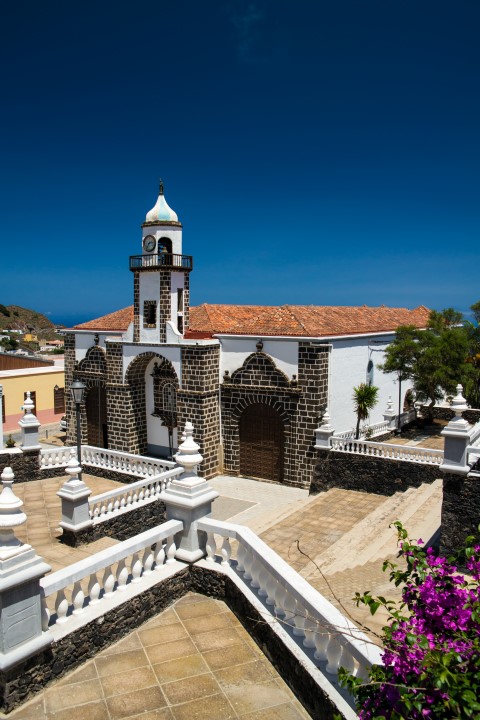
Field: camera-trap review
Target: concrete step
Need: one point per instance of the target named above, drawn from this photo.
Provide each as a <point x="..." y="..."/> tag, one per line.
<point x="372" y="538"/>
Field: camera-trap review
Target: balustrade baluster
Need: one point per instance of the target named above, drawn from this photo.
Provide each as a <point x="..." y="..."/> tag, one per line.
<point x="171" y="550"/>
<point x="271" y="588"/>
<point x="334" y="656"/>
<point x="108" y="581"/>
<point x="211" y="547"/>
<point x="61" y="606"/>
<point x="241" y="551"/>
<point x="299" y="620"/>
<point x="255" y="572"/>
<point x="248" y="561"/>
<point x="289" y="605"/>
<point x="78" y="597"/>
<point x="159" y="554"/>
<point x="45" y="613"/>
<point x="310" y="627"/>
<point x="226" y="551"/>
<point x="262" y="581"/>
<point x="349" y="662"/>
<point x="122" y="575"/>
<point x="280" y="598"/>
<point x="136" y="568"/>
<point x="322" y="640"/>
<point x="148" y="560"/>
<point x="93" y="590"/>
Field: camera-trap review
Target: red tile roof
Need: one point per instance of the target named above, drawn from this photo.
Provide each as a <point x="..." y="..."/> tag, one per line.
<point x="294" y="320"/>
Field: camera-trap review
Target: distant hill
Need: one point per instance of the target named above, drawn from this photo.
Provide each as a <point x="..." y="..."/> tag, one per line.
<point x="14" y="317"/>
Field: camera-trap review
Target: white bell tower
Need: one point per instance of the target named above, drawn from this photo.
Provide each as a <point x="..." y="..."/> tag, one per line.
<point x="161" y="277"/>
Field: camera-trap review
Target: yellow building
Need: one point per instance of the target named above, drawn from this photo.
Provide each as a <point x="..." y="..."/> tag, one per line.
<point x="46" y="385"/>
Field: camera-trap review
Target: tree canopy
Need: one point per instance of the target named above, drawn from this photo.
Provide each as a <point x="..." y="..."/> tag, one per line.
<point x="438" y="358"/>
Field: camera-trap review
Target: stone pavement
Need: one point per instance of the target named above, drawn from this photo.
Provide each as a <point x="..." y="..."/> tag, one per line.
<point x="194" y="661"/>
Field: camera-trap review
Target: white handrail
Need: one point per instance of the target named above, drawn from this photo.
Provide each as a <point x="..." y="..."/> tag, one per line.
<point x="122" y="462"/>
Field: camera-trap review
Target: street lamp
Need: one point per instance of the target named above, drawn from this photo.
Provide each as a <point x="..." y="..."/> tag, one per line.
<point x="77" y="389"/>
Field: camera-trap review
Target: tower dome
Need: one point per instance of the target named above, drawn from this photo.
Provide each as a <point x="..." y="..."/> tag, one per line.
<point x="161" y="212"/>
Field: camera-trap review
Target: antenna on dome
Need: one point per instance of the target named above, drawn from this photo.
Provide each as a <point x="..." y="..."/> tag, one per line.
<point x="160" y="189"/>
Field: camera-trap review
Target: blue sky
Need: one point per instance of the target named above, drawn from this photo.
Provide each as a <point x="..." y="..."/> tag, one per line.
<point x="316" y="152"/>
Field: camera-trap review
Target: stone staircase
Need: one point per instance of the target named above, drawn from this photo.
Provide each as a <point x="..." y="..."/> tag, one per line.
<point x="373" y="539"/>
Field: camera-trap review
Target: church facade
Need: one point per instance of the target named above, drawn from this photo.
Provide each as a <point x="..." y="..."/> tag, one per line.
<point x="254" y="380"/>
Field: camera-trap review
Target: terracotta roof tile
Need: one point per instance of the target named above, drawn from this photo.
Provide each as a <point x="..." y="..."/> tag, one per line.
<point x="293" y="320"/>
<point x="118" y="320"/>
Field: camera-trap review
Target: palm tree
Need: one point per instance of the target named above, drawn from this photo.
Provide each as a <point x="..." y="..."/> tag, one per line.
<point x="365" y="397"/>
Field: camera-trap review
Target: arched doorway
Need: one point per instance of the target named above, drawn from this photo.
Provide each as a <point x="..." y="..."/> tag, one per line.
<point x="96" y="409"/>
<point x="261" y="443"/>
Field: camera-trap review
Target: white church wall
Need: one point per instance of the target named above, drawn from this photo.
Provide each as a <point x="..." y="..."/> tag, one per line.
<point x="174" y="234"/>
<point x="349" y="362"/>
<point x="235" y="351"/>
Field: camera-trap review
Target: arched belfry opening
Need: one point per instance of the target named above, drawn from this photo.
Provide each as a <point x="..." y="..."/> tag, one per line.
<point x="262" y="440"/>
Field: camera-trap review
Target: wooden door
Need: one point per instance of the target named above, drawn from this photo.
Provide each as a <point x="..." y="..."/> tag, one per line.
<point x="261" y="443"/>
<point x="96" y="408"/>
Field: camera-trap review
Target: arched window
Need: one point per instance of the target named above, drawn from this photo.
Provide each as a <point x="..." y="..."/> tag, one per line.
<point x="370" y="372"/>
<point x="169" y="397"/>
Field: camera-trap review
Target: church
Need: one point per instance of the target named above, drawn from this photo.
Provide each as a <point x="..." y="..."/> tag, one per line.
<point x="255" y="381"/>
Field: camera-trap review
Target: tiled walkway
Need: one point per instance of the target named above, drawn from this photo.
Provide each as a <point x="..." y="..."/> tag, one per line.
<point x="194" y="661"/>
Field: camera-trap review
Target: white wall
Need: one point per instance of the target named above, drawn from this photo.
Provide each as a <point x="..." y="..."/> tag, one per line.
<point x="176" y="283"/>
<point x="234" y="352"/>
<point x="348" y="368"/>
<point x="84" y="341"/>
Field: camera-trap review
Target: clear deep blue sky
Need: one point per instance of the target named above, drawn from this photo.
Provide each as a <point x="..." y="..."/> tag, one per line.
<point x="316" y="152"/>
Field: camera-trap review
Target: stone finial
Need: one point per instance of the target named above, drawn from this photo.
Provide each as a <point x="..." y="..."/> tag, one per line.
<point x="28" y="405"/>
<point x="188" y="455"/>
<point x="459" y="404"/>
<point x="73" y="468"/>
<point x="326" y="420"/>
<point x="11" y="516"/>
<point x="389" y="404"/>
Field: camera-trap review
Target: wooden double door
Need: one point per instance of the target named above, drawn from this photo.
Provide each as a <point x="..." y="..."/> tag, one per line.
<point x="262" y="440"/>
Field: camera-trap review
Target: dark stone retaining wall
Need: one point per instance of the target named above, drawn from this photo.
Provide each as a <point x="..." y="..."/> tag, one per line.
<point x="31" y="676"/>
<point x="368" y="474"/>
<point x="472" y="415"/>
<point x="120" y="528"/>
<point x="460" y="511"/>
<point x="25" y="466"/>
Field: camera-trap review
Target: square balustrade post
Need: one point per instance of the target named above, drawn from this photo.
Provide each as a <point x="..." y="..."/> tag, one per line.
<point x="21" y="633"/>
<point x="457" y="438"/>
<point x="189" y="498"/>
<point x="74" y="495"/>
<point x="389" y="414"/>
<point x="324" y="432"/>
<point x="29" y="426"/>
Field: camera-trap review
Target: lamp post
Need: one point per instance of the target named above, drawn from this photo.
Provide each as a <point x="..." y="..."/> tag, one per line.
<point x="77" y="389"/>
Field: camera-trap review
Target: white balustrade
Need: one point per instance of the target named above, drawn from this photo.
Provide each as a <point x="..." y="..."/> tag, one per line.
<point x="346" y="434"/>
<point x="129" y="497"/>
<point x="55" y="457"/>
<point x="137" y="465"/>
<point x="108" y="572"/>
<point x="388" y="451"/>
<point x="122" y="462"/>
<point x="314" y="621"/>
<point x="475" y="436"/>
<point x="380" y="428"/>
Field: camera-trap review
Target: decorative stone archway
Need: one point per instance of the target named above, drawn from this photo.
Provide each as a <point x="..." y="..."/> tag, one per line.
<point x="153" y="403"/>
<point x="259" y="410"/>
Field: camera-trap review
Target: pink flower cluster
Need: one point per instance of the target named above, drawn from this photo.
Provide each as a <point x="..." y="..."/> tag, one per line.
<point x="432" y="651"/>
